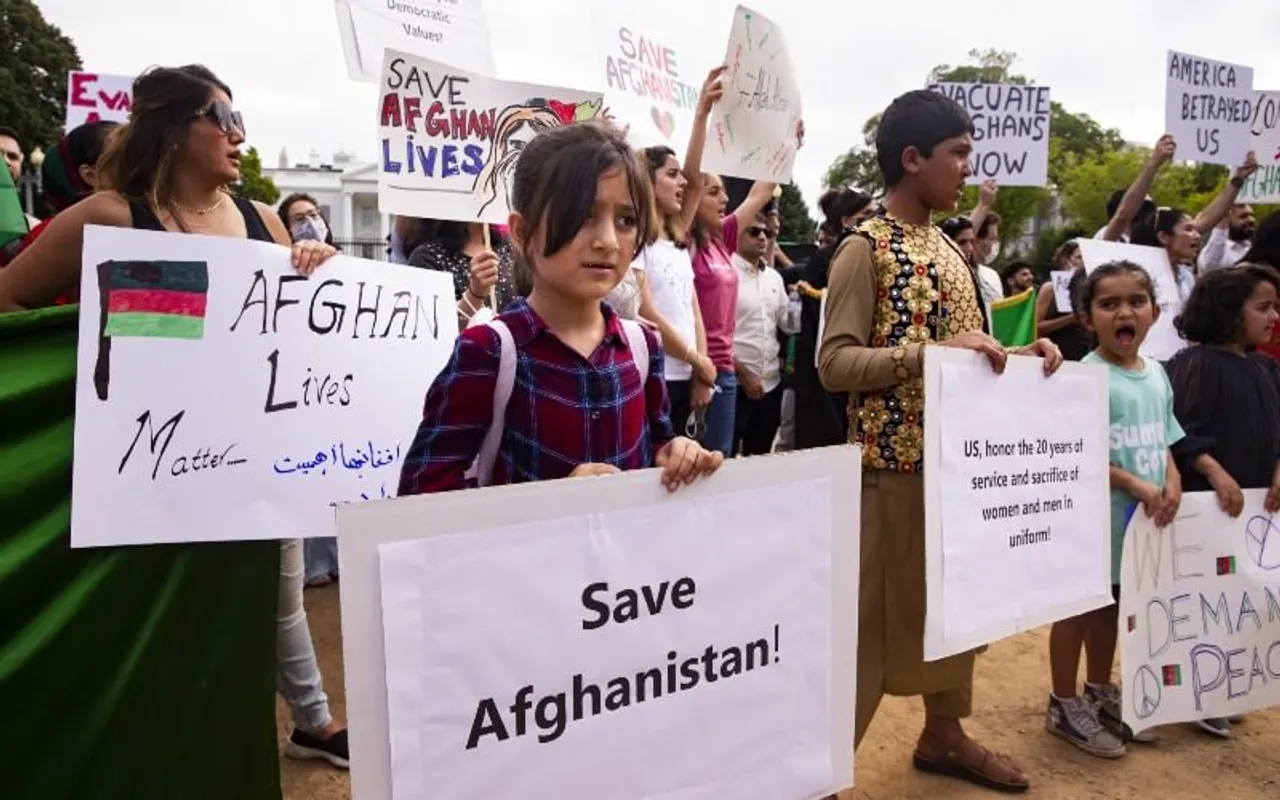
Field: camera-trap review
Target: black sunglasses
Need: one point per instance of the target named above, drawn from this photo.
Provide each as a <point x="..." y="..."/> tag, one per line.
<point x="756" y="230"/>
<point x="222" y="115"/>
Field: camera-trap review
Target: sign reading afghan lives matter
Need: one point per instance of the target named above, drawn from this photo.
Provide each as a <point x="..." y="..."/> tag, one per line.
<point x="1200" y="613"/>
<point x="1208" y="108"/>
<point x="222" y="396"/>
<point x="1010" y="130"/>
<point x="752" y="132"/>
<point x="92" y="97"/>
<point x="1016" y="504"/>
<point x="603" y="638"/>
<point x="650" y="85"/>
<point x="450" y="139"/>
<point x="1162" y="342"/>
<point x="452" y="31"/>
<point x="1263" y="186"/>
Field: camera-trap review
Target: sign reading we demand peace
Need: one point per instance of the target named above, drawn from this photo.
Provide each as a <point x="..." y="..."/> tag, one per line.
<point x="1010" y="130"/>
<point x="602" y="637"/>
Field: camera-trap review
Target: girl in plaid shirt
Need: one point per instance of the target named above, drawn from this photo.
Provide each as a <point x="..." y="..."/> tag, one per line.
<point x="578" y="407"/>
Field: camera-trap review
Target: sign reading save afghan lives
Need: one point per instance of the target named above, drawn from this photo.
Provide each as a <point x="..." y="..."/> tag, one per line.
<point x="450" y="139"/>
<point x="222" y="396"/>
<point x="604" y="638"/>
<point x="1200" y="613"/>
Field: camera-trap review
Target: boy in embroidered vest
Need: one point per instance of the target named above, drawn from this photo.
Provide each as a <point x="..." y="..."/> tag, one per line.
<point x="897" y="286"/>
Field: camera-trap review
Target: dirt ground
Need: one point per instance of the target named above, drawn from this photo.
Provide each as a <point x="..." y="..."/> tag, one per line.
<point x="1010" y="694"/>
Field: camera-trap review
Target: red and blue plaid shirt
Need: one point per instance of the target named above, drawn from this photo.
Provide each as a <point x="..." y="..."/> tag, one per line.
<point x="565" y="410"/>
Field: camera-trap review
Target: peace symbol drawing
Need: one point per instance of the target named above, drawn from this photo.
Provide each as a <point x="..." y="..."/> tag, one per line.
<point x="1145" y="691"/>
<point x="1262" y="540"/>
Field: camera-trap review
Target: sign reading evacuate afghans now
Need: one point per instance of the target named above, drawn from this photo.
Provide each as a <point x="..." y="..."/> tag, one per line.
<point x="222" y="396"/>
<point x="1010" y="130"/>
<point x="1208" y="108"/>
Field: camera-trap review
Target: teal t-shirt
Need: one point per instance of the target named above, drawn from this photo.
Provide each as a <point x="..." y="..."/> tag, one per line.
<point x="1142" y="429"/>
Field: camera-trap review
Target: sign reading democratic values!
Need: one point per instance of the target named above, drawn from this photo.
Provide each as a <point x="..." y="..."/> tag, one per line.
<point x="1207" y="108"/>
<point x="1263" y="186"/>
<point x="1015" y="504"/>
<point x="454" y="32"/>
<point x="753" y="129"/>
<point x="450" y="139"/>
<point x="222" y="396"/>
<point x="651" y="86"/>
<point x="604" y="638"/>
<point x="1010" y="130"/>
<point x="92" y="97"/>
<point x="1200" y="613"/>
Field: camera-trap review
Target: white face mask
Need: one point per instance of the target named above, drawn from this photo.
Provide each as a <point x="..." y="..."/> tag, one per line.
<point x="994" y="253"/>
<point x="310" y="228"/>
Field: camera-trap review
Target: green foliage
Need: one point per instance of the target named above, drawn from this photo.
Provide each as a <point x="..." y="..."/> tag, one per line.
<point x="857" y="168"/>
<point x="1047" y="243"/>
<point x="253" y="184"/>
<point x="795" y="224"/>
<point x="34" y="61"/>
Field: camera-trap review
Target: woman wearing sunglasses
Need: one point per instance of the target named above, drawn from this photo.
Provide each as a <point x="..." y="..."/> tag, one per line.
<point x="166" y="169"/>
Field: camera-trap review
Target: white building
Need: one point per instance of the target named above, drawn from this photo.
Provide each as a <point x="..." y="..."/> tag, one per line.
<point x="347" y="192"/>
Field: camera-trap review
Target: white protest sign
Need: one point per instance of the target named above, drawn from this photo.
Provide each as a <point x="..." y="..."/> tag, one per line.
<point x="1016" y="504"/>
<point x="450" y="139"/>
<point x="1010" y="130"/>
<point x="221" y="396"/>
<point x="453" y="32"/>
<point x="651" y="85"/>
<point x="1062" y="289"/>
<point x="1200" y="613"/>
<point x="1263" y="186"/>
<point x="1207" y="108"/>
<point x="604" y="638"/>
<point x="92" y="97"/>
<point x="1162" y="342"/>
<point x="752" y="132"/>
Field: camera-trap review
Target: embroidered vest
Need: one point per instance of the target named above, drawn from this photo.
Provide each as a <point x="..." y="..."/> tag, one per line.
<point x="926" y="293"/>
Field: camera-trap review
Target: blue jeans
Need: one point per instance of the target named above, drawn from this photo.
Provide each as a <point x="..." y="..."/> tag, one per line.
<point x="321" y="557"/>
<point x="297" y="672"/>
<point x="720" y="414"/>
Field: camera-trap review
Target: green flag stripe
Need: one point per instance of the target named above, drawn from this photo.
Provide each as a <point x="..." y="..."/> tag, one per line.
<point x="161" y="326"/>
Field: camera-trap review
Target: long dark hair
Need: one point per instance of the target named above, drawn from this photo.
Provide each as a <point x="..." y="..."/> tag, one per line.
<point x="60" y="173"/>
<point x="449" y="234"/>
<point x="655" y="158"/>
<point x="138" y="160"/>
<point x="302" y="197"/>
<point x="837" y="204"/>
<point x="1214" y="311"/>
<point x="1266" y="243"/>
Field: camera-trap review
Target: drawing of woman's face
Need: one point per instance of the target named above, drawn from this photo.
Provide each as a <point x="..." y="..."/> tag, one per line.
<point x="516" y="127"/>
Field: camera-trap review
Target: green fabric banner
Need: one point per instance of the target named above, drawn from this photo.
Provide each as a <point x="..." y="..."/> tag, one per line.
<point x="141" y="672"/>
<point x="1013" y="319"/>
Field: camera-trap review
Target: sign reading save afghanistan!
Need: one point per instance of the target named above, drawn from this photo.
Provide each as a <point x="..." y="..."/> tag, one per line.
<point x="222" y="396"/>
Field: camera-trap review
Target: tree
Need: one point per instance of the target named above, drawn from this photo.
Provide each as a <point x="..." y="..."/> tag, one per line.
<point x="795" y="224"/>
<point x="253" y="184"/>
<point x="857" y="168"/>
<point x="34" y="61"/>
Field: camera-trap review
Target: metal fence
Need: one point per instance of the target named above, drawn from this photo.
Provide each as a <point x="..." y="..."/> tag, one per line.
<point x="375" y="249"/>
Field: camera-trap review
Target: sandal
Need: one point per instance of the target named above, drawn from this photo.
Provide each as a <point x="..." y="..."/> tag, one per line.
<point x="996" y="772"/>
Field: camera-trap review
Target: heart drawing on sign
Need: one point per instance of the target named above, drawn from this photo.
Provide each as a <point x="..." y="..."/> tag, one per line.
<point x="665" y="120"/>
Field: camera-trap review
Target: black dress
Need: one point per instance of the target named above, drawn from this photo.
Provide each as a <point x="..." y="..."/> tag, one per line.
<point x="1229" y="406"/>
<point x="821" y="417"/>
<point x="144" y="219"/>
<point x="1074" y="341"/>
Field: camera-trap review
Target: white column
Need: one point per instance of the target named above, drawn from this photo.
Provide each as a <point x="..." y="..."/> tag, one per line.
<point x="348" y="216"/>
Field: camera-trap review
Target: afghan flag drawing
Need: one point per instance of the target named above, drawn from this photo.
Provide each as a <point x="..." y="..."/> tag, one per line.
<point x="1013" y="319"/>
<point x="150" y="299"/>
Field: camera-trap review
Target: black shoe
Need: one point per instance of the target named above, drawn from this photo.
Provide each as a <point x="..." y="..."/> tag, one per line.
<point x="303" y="745"/>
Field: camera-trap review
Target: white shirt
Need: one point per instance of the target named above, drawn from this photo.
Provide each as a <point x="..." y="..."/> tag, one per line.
<point x="762" y="309"/>
<point x="669" y="271"/>
<point x="990" y="287"/>
<point x="1220" y="251"/>
<point x="1124" y="237"/>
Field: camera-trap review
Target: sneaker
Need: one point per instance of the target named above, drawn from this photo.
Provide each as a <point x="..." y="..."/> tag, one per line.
<point x="1217" y="726"/>
<point x="1106" y="703"/>
<point x="302" y="745"/>
<point x="1074" y="720"/>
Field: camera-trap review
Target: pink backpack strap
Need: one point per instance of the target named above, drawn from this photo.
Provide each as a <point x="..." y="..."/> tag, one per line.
<point x="482" y="468"/>
<point x="639" y="346"/>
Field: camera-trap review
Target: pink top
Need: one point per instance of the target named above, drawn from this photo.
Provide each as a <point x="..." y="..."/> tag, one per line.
<point x="716" y="281"/>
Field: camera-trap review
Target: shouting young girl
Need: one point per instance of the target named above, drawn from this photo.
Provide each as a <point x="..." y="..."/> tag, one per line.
<point x="1117" y="304"/>
<point x="583" y="401"/>
<point x="1227" y="395"/>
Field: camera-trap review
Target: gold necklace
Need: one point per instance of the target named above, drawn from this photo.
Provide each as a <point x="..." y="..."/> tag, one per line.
<point x="200" y="212"/>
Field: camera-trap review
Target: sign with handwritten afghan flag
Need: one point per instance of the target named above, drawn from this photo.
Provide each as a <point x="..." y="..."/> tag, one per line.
<point x="753" y="129"/>
<point x="222" y="396"/>
<point x="449" y="139"/>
